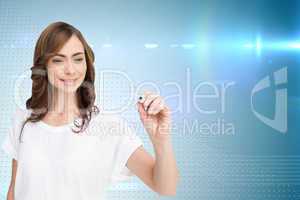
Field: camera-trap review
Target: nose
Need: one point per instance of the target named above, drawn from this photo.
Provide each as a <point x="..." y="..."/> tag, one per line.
<point x="69" y="69"/>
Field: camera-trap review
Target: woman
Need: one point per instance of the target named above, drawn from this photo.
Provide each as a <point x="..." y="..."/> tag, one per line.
<point x="63" y="147"/>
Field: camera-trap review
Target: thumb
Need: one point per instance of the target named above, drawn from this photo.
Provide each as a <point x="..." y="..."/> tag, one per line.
<point x="142" y="112"/>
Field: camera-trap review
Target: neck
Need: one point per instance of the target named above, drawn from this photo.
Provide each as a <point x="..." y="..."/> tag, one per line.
<point x="64" y="103"/>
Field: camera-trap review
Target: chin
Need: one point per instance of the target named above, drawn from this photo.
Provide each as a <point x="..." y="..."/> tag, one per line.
<point x="67" y="90"/>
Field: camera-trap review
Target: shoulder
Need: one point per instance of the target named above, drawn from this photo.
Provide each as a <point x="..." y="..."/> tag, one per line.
<point x="20" y="114"/>
<point x="17" y="119"/>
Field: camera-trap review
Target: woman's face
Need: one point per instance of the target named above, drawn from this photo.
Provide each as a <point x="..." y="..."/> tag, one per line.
<point x="67" y="69"/>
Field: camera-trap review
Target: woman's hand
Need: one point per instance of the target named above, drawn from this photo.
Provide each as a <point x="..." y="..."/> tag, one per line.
<point x="155" y="116"/>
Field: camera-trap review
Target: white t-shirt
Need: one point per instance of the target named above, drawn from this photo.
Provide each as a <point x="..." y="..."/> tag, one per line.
<point x="55" y="163"/>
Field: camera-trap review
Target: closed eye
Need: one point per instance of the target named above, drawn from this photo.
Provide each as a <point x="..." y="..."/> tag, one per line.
<point x="56" y="60"/>
<point x="79" y="59"/>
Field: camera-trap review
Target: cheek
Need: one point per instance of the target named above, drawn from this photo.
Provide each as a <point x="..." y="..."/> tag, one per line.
<point x="82" y="71"/>
<point x="53" y="75"/>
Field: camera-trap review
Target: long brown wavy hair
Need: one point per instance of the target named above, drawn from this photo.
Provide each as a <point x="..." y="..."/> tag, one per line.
<point x="48" y="44"/>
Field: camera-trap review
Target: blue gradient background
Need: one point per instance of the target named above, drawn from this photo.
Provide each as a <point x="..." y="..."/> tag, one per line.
<point x="217" y="41"/>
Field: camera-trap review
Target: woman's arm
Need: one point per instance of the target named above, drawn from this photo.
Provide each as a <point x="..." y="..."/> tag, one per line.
<point x="10" y="193"/>
<point x="165" y="172"/>
<point x="161" y="173"/>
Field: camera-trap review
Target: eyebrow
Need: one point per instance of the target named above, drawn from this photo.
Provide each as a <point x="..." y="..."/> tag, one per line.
<point x="62" y="55"/>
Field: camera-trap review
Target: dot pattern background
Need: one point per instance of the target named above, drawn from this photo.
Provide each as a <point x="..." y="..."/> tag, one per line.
<point x="143" y="44"/>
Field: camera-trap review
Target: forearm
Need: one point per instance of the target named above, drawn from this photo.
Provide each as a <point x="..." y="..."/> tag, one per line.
<point x="165" y="172"/>
<point x="10" y="193"/>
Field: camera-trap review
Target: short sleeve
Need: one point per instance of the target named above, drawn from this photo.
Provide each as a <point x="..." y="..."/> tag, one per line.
<point x="10" y="144"/>
<point x="127" y="143"/>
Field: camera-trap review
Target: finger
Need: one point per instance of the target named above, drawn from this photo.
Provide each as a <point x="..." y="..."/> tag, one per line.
<point x="166" y="112"/>
<point x="141" y="110"/>
<point x="156" y="106"/>
<point x="148" y="100"/>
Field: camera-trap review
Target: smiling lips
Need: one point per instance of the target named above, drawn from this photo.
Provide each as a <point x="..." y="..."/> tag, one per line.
<point x="68" y="81"/>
